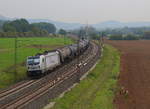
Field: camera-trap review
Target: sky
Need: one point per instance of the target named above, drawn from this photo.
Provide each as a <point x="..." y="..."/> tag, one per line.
<point x="82" y="11"/>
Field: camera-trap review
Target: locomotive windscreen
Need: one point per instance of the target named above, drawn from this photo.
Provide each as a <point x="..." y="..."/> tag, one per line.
<point x="33" y="60"/>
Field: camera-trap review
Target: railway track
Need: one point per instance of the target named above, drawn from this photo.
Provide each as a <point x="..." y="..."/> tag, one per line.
<point x="24" y="94"/>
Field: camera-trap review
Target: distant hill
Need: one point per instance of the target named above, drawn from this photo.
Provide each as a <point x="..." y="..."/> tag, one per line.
<point x="4" y="18"/>
<point x="117" y="24"/>
<point x="101" y="25"/>
<point x="108" y="24"/>
<point x="63" y="25"/>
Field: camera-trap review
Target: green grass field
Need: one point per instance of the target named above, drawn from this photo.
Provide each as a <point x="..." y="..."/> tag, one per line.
<point x="98" y="89"/>
<point x="25" y="47"/>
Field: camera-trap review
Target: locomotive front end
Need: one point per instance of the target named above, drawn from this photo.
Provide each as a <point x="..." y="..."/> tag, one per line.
<point x="34" y="65"/>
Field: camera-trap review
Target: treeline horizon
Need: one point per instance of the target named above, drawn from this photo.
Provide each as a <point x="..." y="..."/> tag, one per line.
<point x="127" y="33"/>
<point x="115" y="34"/>
<point x="22" y="28"/>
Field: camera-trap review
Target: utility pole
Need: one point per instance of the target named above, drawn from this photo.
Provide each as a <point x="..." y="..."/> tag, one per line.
<point x="15" y="57"/>
<point x="102" y="39"/>
<point x="78" y="60"/>
<point x="16" y="46"/>
<point x="86" y="30"/>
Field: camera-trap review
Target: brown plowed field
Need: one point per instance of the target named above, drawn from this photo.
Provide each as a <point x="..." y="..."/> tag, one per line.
<point x="134" y="75"/>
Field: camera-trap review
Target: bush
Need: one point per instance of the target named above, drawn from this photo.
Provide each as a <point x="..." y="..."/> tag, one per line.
<point x="131" y="37"/>
<point x="116" y="37"/>
<point x="146" y="35"/>
<point x="125" y="37"/>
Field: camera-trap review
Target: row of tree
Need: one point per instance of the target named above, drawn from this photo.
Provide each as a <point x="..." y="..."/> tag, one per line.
<point x="22" y="28"/>
<point x="113" y="34"/>
<point x="128" y="33"/>
<point x="146" y="36"/>
<point x="1" y="24"/>
<point x="127" y="30"/>
<point x="123" y="37"/>
<point x="86" y="32"/>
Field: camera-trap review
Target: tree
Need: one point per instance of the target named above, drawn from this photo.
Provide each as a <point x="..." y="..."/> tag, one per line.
<point x="131" y="37"/>
<point x="96" y="37"/>
<point x="22" y="28"/>
<point x="8" y="28"/>
<point x="87" y="31"/>
<point x="1" y="24"/>
<point x="62" y="32"/>
<point x="20" y="25"/>
<point x="116" y="37"/>
<point x="50" y="28"/>
<point x="146" y="35"/>
<point x="81" y="33"/>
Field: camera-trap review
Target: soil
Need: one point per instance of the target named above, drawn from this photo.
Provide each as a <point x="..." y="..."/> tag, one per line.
<point x="134" y="79"/>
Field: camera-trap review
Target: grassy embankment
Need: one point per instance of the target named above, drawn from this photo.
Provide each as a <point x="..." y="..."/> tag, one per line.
<point x="26" y="47"/>
<point x="98" y="89"/>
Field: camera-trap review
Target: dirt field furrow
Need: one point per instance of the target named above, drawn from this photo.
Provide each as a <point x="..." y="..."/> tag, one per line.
<point x="134" y="75"/>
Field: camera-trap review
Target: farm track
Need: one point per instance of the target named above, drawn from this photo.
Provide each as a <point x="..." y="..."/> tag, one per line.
<point x="23" y="94"/>
<point x="134" y="75"/>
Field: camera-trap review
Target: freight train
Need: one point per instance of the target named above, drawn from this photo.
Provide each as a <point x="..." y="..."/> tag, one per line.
<point x="40" y="64"/>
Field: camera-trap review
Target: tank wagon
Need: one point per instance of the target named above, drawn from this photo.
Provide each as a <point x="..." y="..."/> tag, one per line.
<point x="74" y="49"/>
<point x="65" y="52"/>
<point x="42" y="63"/>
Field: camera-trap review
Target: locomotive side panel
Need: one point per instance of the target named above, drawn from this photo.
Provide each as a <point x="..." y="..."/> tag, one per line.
<point x="52" y="60"/>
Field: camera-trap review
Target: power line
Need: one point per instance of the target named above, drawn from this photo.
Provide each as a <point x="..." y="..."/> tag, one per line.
<point x="16" y="54"/>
